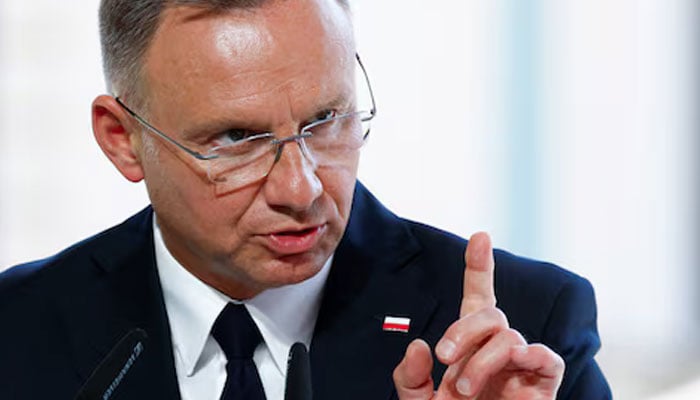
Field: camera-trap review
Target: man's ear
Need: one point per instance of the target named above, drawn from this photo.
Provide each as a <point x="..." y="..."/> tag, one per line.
<point x="117" y="137"/>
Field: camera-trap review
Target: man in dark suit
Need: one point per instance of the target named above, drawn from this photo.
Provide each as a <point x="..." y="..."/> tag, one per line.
<point x="245" y="121"/>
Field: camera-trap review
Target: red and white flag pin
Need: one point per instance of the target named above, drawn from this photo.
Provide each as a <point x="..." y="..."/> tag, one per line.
<point x="396" y="324"/>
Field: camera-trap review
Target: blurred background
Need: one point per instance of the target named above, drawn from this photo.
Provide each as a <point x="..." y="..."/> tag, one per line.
<point x="568" y="129"/>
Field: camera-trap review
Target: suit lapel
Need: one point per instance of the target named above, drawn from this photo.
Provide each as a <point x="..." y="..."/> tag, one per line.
<point x="371" y="278"/>
<point x="123" y="292"/>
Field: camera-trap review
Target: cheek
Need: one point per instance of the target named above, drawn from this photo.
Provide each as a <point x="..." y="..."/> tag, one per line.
<point x="339" y="184"/>
<point x="171" y="186"/>
<point x="189" y="201"/>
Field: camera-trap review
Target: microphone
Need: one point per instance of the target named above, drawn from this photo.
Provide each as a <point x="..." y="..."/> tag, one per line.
<point x="105" y="379"/>
<point x="298" y="385"/>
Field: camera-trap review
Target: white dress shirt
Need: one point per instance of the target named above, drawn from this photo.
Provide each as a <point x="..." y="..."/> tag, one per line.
<point x="284" y="316"/>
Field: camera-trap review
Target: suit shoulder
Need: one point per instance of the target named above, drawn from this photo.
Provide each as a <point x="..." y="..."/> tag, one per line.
<point x="535" y="272"/>
<point x="528" y="291"/>
<point x="68" y="260"/>
<point x="431" y="234"/>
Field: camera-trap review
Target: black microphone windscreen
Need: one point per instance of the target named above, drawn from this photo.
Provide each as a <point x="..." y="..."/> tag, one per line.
<point x="298" y="386"/>
<point x="108" y="375"/>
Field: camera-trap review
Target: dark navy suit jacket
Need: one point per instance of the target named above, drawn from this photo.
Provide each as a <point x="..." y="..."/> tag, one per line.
<point x="62" y="315"/>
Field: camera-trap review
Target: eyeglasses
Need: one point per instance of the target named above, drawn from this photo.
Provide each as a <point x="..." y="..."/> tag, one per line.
<point x="245" y="158"/>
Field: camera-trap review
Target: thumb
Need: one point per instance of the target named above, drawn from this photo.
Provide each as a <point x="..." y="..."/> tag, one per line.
<point x="412" y="377"/>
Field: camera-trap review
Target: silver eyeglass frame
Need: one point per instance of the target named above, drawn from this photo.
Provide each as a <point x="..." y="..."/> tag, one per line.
<point x="303" y="133"/>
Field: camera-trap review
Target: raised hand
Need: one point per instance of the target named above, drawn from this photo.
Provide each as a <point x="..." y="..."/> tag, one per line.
<point x="486" y="359"/>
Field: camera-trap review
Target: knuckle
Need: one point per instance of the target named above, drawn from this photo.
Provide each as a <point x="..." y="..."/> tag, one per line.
<point x="500" y="316"/>
<point x="475" y="366"/>
<point x="554" y="360"/>
<point x="495" y="317"/>
<point x="557" y="360"/>
<point x="513" y="336"/>
<point x="475" y="302"/>
<point x="396" y="375"/>
<point x="456" y="331"/>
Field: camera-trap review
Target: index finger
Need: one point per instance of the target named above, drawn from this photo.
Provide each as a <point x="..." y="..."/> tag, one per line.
<point x="478" y="275"/>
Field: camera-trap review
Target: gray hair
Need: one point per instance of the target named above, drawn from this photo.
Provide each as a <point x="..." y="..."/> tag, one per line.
<point x="126" y="30"/>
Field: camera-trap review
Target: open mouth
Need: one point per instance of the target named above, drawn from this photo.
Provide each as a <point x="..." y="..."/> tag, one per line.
<point x="300" y="233"/>
<point x="294" y="242"/>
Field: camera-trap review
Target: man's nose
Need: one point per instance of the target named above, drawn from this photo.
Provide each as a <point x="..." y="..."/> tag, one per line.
<point x="292" y="183"/>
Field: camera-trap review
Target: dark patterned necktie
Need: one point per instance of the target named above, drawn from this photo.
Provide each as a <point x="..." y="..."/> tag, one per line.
<point x="238" y="337"/>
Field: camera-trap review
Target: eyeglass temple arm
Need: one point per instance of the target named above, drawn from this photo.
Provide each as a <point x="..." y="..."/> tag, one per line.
<point x="153" y="129"/>
<point x="373" y="111"/>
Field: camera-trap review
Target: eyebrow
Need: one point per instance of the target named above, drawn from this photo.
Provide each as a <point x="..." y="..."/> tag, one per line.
<point x="237" y="120"/>
<point x="216" y="125"/>
<point x="342" y="100"/>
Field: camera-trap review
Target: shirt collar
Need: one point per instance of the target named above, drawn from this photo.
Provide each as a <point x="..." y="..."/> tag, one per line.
<point x="287" y="314"/>
<point x="284" y="315"/>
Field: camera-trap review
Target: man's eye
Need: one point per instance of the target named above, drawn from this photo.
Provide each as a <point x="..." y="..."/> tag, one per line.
<point x="232" y="136"/>
<point x="326" y="114"/>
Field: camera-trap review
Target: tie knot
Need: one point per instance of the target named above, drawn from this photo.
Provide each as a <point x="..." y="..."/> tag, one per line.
<point x="236" y="332"/>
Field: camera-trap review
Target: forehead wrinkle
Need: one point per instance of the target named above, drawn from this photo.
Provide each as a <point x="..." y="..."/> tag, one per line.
<point x="297" y="97"/>
<point x="245" y="112"/>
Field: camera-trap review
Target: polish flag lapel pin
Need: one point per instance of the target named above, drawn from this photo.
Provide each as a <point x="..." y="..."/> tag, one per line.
<point x="396" y="324"/>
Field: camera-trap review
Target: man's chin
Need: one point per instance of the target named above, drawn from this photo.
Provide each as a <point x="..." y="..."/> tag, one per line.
<point x="293" y="269"/>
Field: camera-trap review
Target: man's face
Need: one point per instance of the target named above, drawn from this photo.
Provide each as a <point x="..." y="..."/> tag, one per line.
<point x="275" y="69"/>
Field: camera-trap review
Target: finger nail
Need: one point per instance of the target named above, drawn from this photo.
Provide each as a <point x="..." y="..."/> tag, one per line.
<point x="521" y="349"/>
<point x="464" y="386"/>
<point x="445" y="349"/>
